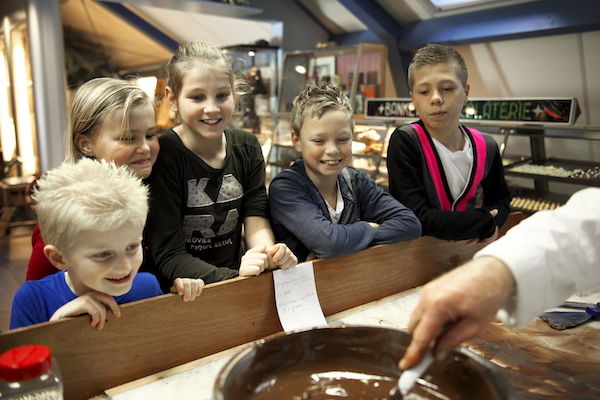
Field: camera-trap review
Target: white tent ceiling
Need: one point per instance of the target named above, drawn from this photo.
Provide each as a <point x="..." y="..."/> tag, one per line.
<point x="130" y="48"/>
<point x="218" y="23"/>
<point x="126" y="46"/>
<point x="185" y="26"/>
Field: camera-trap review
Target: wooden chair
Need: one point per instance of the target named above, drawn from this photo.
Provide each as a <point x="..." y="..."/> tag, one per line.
<point x="13" y="194"/>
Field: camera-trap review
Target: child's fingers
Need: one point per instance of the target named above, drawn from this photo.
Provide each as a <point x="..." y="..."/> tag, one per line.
<point x="257" y="249"/>
<point x="275" y="254"/>
<point x="94" y="313"/>
<point x="197" y="288"/>
<point x="290" y="262"/>
<point x="249" y="270"/>
<point x="101" y="318"/>
<point x="108" y="301"/>
<point x="187" y="292"/>
<point x="103" y="302"/>
<point x="187" y="288"/>
<point x="259" y="260"/>
<point x="97" y="313"/>
<point x="276" y="251"/>
<point x="284" y="258"/>
<point x="177" y="287"/>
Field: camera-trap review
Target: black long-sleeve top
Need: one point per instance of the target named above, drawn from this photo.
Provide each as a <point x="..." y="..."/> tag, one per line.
<point x="410" y="181"/>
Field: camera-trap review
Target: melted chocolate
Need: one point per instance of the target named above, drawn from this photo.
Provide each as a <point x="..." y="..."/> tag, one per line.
<point x="345" y="363"/>
<point x="543" y="363"/>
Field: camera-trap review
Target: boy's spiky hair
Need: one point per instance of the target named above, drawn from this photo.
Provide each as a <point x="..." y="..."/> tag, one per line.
<point x="87" y="196"/>
<point x="316" y="100"/>
<point x="433" y="53"/>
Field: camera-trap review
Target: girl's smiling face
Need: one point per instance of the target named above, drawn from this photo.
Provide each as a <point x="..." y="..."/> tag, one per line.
<point x="137" y="148"/>
<point x="205" y="103"/>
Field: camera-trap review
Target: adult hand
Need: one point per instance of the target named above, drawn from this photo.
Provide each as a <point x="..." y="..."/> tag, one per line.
<point x="254" y="261"/>
<point x="466" y="299"/>
<point x="187" y="288"/>
<point x="93" y="303"/>
<point x="280" y="256"/>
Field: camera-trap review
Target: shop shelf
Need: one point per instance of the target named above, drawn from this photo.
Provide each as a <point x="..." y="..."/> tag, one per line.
<point x="508" y="161"/>
<point x="555" y="166"/>
<point x="530" y="201"/>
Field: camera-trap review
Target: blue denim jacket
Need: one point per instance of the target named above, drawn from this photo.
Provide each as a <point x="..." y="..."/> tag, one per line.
<point x="301" y="220"/>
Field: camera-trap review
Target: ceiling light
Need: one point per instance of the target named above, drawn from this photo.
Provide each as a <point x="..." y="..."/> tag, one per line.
<point x="301" y="69"/>
<point x="449" y="4"/>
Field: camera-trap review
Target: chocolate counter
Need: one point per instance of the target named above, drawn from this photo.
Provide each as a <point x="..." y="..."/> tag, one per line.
<point x="161" y="348"/>
<point x="359" y="363"/>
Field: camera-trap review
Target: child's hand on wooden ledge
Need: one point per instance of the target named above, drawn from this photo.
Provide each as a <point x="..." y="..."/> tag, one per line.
<point x="187" y="288"/>
<point x="280" y="256"/>
<point x="93" y="303"/>
<point x="254" y="261"/>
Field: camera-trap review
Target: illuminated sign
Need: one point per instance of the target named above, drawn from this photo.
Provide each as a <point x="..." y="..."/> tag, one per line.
<point x="529" y="111"/>
<point x="390" y="108"/>
<point x="536" y="111"/>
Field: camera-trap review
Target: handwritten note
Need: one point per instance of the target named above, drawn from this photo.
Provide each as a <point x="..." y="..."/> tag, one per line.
<point x="296" y="298"/>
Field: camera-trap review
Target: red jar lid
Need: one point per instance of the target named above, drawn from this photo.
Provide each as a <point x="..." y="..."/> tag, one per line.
<point x="25" y="362"/>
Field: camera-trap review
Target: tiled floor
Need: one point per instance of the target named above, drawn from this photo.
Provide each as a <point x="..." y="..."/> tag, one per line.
<point x="15" y="249"/>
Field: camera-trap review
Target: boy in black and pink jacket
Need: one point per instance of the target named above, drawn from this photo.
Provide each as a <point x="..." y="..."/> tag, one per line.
<point x="436" y="166"/>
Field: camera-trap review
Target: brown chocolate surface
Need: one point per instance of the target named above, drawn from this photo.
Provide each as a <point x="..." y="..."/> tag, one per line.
<point x="347" y="363"/>
<point x="544" y="363"/>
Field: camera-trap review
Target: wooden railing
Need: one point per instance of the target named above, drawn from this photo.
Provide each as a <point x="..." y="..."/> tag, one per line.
<point x="162" y="332"/>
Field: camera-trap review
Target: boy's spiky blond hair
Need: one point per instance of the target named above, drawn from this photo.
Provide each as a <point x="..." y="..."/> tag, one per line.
<point x="433" y="53"/>
<point x="317" y="99"/>
<point x="89" y="195"/>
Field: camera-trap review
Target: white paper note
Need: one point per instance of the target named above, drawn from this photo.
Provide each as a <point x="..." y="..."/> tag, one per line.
<point x="296" y="298"/>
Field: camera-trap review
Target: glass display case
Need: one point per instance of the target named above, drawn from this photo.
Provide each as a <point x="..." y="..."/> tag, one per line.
<point x="361" y="70"/>
<point x="543" y="171"/>
<point x="258" y="64"/>
<point x="527" y="130"/>
<point x="368" y="148"/>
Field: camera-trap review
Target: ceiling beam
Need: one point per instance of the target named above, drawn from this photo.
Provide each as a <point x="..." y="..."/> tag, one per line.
<point x="374" y="17"/>
<point x="531" y="19"/>
<point x="312" y="16"/>
<point x="380" y="23"/>
<point x="141" y="24"/>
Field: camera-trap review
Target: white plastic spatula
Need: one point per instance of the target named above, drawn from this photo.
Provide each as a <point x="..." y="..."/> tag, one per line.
<point x="409" y="377"/>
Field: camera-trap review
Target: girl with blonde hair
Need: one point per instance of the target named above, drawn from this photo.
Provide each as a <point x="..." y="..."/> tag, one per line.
<point x="212" y="179"/>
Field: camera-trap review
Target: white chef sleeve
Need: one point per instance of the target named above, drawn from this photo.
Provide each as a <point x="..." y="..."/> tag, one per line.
<point x="552" y="255"/>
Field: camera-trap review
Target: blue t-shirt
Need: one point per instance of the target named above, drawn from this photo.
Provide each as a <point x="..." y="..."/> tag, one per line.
<point x="36" y="301"/>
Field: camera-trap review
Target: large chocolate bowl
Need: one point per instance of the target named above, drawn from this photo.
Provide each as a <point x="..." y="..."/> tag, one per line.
<point x="350" y="363"/>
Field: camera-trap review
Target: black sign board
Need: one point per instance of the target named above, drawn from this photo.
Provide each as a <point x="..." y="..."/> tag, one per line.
<point x="390" y="108"/>
<point x="535" y="111"/>
<point x="538" y="111"/>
